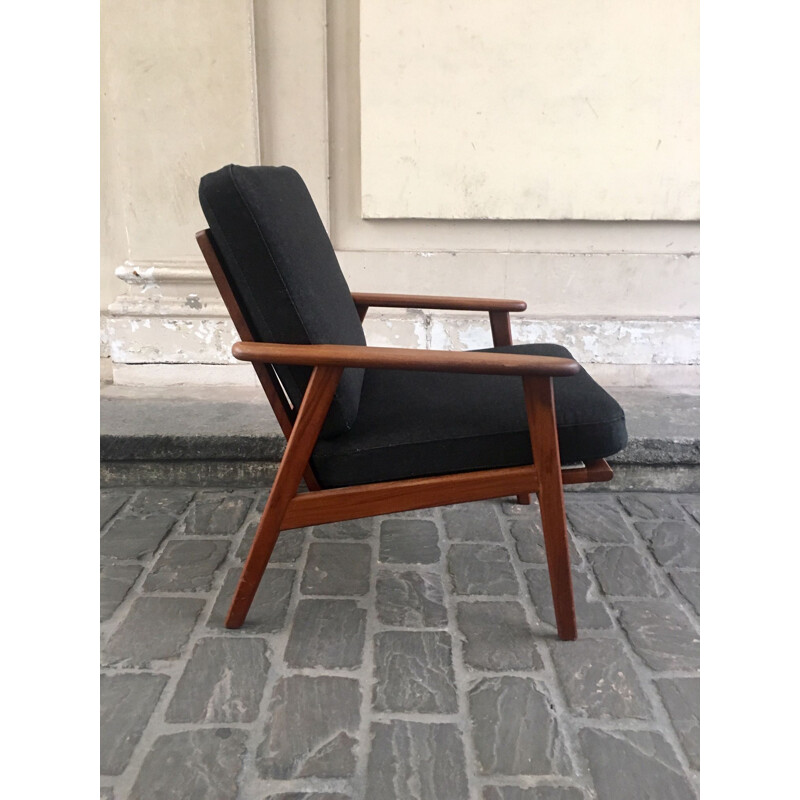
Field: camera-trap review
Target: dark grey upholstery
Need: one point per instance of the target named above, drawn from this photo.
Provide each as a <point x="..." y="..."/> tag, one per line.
<point x="414" y="424"/>
<point x="383" y="424"/>
<point x="283" y="271"/>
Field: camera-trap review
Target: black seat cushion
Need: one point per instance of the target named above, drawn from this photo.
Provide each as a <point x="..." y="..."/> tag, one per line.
<point x="283" y="272"/>
<point x="415" y="424"/>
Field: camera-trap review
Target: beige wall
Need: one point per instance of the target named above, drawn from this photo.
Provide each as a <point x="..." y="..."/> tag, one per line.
<point x="280" y="81"/>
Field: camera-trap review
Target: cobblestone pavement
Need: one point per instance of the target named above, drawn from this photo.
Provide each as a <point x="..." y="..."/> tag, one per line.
<point x="409" y="656"/>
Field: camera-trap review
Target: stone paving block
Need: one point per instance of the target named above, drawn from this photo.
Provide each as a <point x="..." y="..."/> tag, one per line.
<point x="268" y="612"/>
<point x="675" y="544"/>
<point x="106" y="793"/>
<point x="498" y="636"/>
<point x="158" y="502"/>
<point x="633" y="765"/>
<point x="472" y="522"/>
<point x="514" y="728"/>
<point x="534" y="793"/>
<point x="688" y="584"/>
<point x="621" y="571"/>
<point x="414" y="672"/>
<point x="311" y="730"/>
<point x="529" y="542"/>
<point x="661" y="634"/>
<point x="598" y="519"/>
<point x="409" y="541"/>
<point x="681" y="698"/>
<point x="590" y="613"/>
<point x="223" y="682"/>
<point x="186" y="566"/>
<point x="193" y="765"/>
<point x="115" y="582"/>
<point x="349" y="529"/>
<point x="111" y="501"/>
<point x="155" y="628"/>
<point x="598" y="679"/>
<point x="651" y="505"/>
<point x="416" y="761"/>
<point x="217" y="513"/>
<point x="481" y="569"/>
<point x="126" y="703"/>
<point x="326" y="633"/>
<point x="135" y="537"/>
<point x="410" y="599"/>
<point x="286" y="551"/>
<point x="337" y="568"/>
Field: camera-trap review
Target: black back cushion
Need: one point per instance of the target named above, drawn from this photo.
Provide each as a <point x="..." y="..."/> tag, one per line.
<point x="282" y="269"/>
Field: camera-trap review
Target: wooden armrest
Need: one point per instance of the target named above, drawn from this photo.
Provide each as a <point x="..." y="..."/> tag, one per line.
<point x="314" y="355"/>
<point x="429" y="301"/>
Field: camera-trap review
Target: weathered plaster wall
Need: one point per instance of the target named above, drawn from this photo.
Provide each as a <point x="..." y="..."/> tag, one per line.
<point x="530" y="109"/>
<point x="623" y="294"/>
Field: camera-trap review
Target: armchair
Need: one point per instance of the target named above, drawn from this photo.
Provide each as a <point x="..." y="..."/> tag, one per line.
<point x="379" y="430"/>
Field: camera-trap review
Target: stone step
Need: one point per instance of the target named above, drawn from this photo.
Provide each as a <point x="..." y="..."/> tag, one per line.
<point x="228" y="436"/>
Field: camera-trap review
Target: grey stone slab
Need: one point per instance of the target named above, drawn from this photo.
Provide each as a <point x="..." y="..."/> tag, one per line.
<point x="312" y="729"/>
<point x="223" y="681"/>
<point x="497" y="636"/>
<point x="416" y="761"/>
<point x="155" y="628"/>
<point x="126" y="703"/>
<point x="217" y="513"/>
<point x="106" y="793"/>
<point x="481" y="569"/>
<point x="628" y="765"/>
<point x="115" y="582"/>
<point x="414" y="672"/>
<point x="597" y="519"/>
<point x="308" y="796"/>
<point x="268" y="612"/>
<point x="661" y="634"/>
<point x="193" y="765"/>
<point x="472" y="522"/>
<point x="673" y="543"/>
<point x="135" y="537"/>
<point x="590" y="613"/>
<point x="326" y="633"/>
<point x="349" y="529"/>
<point x="621" y="571"/>
<point x="534" y="793"/>
<point x="515" y="729"/>
<point x="157" y="502"/>
<point x="286" y="551"/>
<point x="409" y="541"/>
<point x="681" y="698"/>
<point x="111" y="501"/>
<point x="186" y="566"/>
<point x="691" y="505"/>
<point x="337" y="568"/>
<point x="529" y="542"/>
<point x="688" y="584"/>
<point x="652" y="505"/>
<point x="599" y="680"/>
<point x="410" y="599"/>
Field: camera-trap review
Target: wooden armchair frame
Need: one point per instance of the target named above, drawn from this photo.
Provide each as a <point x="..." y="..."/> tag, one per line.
<point x="287" y="509"/>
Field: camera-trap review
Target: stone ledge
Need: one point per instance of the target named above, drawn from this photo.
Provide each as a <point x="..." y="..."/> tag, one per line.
<point x="228" y="436"/>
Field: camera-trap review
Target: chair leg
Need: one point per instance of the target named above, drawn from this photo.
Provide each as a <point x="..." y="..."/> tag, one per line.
<point x="524" y="499"/>
<point x="544" y="443"/>
<point x="310" y="416"/>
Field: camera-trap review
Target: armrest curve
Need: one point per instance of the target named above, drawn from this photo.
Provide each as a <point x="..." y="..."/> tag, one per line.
<point x="335" y="355"/>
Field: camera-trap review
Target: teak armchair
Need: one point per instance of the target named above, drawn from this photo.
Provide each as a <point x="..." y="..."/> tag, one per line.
<point x="380" y="430"/>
